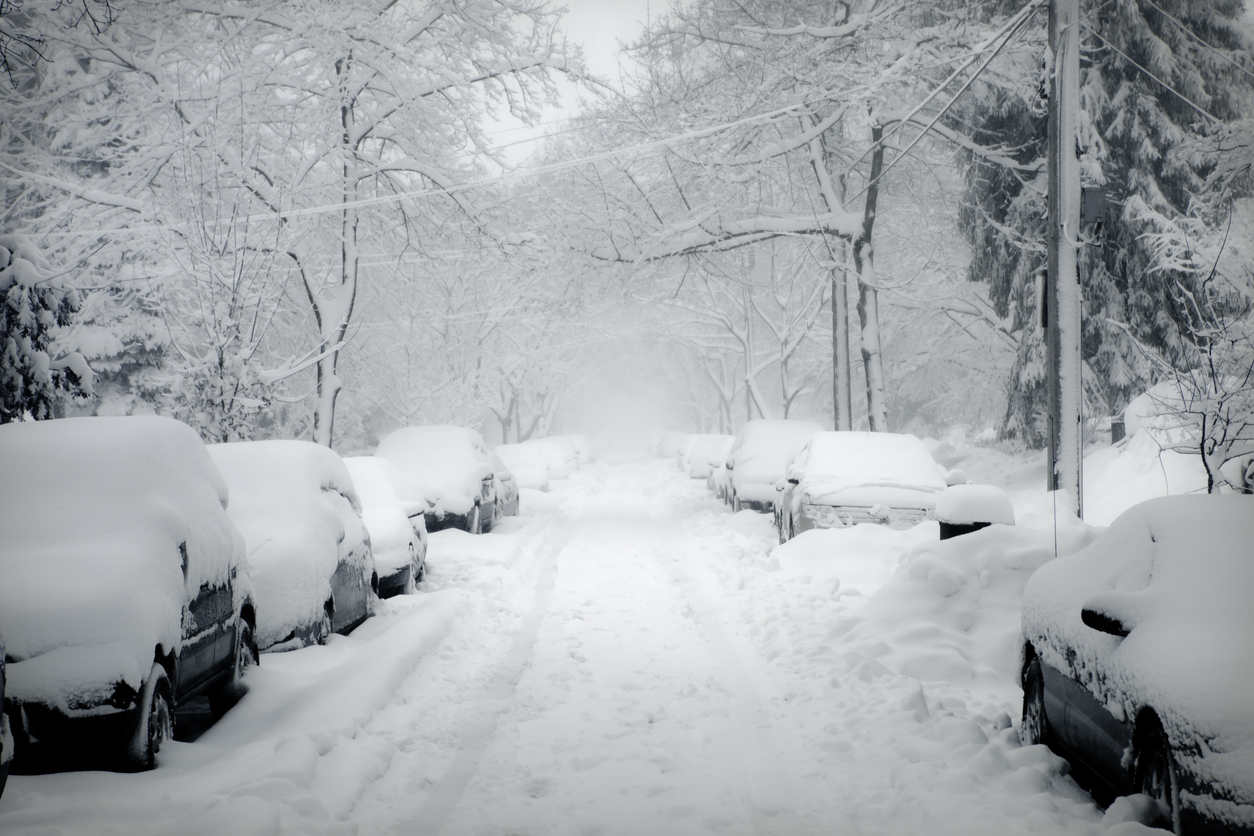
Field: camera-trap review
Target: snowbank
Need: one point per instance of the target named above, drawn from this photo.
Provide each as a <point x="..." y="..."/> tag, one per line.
<point x="861" y="557"/>
<point x="300" y="515"/>
<point x="971" y="504"/>
<point x="94" y="512"/>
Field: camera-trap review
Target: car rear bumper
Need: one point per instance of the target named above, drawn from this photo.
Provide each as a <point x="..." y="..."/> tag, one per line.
<point x="395" y="583"/>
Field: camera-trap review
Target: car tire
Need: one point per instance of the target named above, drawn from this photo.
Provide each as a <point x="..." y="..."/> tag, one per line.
<point x="1155" y="776"/>
<point x="325" y="627"/>
<point x="475" y="524"/>
<point x="1034" y="726"/>
<point x="737" y="507"/>
<point x="154" y="720"/>
<point x="224" y="698"/>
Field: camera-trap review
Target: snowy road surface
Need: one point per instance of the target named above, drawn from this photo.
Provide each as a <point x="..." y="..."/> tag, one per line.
<point x="626" y="658"/>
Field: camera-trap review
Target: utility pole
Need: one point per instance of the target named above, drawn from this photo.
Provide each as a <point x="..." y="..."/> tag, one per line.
<point x="1062" y="303"/>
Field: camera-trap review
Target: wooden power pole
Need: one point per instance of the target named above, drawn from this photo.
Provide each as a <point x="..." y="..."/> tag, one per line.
<point x="1062" y="304"/>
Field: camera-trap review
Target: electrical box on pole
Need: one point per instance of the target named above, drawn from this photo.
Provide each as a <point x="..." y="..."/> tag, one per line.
<point x="1062" y="314"/>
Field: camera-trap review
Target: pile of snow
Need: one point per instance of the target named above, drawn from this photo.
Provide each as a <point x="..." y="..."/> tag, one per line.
<point x="93" y="513"/>
<point x="395" y="539"/>
<point x="527" y="463"/>
<point x="972" y="504"/>
<point x="766" y="447"/>
<point x="950" y="612"/>
<point x="300" y="515"/>
<point x="860" y="558"/>
<point x="1176" y="572"/>
<point x="443" y="464"/>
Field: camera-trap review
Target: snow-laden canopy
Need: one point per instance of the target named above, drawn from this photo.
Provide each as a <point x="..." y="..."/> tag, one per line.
<point x="442" y="463"/>
<point x="94" y="512"/>
<point x="300" y="515"/>
<point x="393" y="539"/>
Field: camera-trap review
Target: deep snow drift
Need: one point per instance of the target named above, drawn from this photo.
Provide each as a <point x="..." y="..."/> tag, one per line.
<point x="628" y="657"/>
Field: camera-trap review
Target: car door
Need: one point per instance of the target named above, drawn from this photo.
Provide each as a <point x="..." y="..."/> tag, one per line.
<point x="1087" y="728"/>
<point x="208" y="633"/>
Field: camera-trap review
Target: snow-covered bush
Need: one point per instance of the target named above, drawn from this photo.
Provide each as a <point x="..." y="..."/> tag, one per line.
<point x="37" y="304"/>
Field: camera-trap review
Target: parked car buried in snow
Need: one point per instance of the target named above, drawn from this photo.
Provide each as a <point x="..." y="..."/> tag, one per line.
<point x="398" y="542"/>
<point x="527" y="463"/>
<point x="703" y="453"/>
<point x="758" y="458"/>
<point x="845" y="478"/>
<point x="1138" y="661"/>
<point x="6" y="733"/>
<point x="448" y="466"/>
<point x="124" y="587"/>
<point x="308" y="548"/>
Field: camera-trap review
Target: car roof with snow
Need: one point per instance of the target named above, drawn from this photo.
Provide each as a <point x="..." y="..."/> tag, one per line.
<point x="95" y="514"/>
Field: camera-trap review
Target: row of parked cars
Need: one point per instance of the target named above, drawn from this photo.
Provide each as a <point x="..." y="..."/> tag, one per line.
<point x="141" y="569"/>
<point x="1137" y="652"/>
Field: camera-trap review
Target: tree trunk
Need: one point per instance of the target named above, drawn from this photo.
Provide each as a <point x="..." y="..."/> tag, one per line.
<point x="842" y="386"/>
<point x="868" y="302"/>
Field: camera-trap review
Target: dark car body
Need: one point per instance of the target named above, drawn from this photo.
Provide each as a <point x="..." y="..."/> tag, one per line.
<point x="156" y="563"/>
<point x="6" y="734"/>
<point x="1137" y="660"/>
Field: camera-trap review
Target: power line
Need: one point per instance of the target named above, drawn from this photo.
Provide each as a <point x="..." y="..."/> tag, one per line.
<point x="1178" y="94"/>
<point x="1186" y="31"/>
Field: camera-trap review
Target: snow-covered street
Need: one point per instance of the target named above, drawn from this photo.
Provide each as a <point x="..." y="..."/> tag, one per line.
<point x="626" y="657"/>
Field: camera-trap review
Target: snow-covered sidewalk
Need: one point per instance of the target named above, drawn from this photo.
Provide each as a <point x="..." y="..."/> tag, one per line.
<point x="627" y="658"/>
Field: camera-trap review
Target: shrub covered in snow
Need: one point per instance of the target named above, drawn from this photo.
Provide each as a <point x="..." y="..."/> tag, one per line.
<point x="300" y="515"/>
<point x="111" y="526"/>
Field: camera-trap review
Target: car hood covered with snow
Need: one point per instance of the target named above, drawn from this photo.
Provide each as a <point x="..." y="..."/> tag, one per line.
<point x="96" y="515"/>
<point x="300" y="514"/>
<point x="1177" y="573"/>
<point x="443" y="464"/>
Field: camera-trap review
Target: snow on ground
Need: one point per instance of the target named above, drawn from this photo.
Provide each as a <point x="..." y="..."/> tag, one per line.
<point x="628" y="657"/>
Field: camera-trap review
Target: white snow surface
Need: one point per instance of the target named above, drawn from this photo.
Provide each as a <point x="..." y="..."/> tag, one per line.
<point x="442" y="463"/>
<point x="863" y="468"/>
<point x="393" y="541"/>
<point x="631" y="658"/>
<point x="967" y="504"/>
<point x="1177" y="572"/>
<point x="527" y="463"/>
<point x="300" y="515"/>
<point x="703" y="450"/>
<point x="93" y="511"/>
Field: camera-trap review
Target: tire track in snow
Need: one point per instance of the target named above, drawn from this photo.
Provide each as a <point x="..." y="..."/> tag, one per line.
<point x="442" y="799"/>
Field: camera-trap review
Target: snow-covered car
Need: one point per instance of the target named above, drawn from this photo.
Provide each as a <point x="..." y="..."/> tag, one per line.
<point x="554" y="458"/>
<point x="759" y="455"/>
<point x="6" y="734"/>
<point x="583" y="448"/>
<point x="1138" y="661"/>
<point x="308" y="548"/>
<point x="397" y="541"/>
<point x="846" y="478"/>
<point x="448" y="466"/>
<point x="570" y="452"/>
<point x="124" y="586"/>
<point x="527" y="463"/>
<point x="703" y="452"/>
<point x="506" y="489"/>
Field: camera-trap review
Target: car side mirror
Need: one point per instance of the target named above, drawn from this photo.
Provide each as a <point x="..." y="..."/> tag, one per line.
<point x="955" y="477"/>
<point x="731" y="464"/>
<point x="1103" y="623"/>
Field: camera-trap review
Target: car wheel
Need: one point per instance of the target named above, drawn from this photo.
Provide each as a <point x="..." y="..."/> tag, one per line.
<point x="222" y="699"/>
<point x="1156" y="777"/>
<point x="476" y="525"/>
<point x="737" y="507"/>
<point x="1034" y="727"/>
<point x="154" y="720"/>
